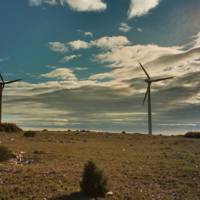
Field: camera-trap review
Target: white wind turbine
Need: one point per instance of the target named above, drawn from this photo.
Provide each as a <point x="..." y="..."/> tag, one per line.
<point x="149" y="81"/>
<point x="2" y="85"/>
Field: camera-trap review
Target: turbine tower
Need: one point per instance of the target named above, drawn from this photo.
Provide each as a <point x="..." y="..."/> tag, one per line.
<point x="2" y="85"/>
<point x="149" y="81"/>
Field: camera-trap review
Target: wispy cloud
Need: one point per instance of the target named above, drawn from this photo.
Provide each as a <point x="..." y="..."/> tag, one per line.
<point x="124" y="27"/>
<point x="139" y="29"/>
<point x="107" y="42"/>
<point x="39" y="2"/>
<point x="58" y="47"/>
<point x="61" y="74"/>
<point x="3" y="59"/>
<point x="77" y="5"/>
<point x="80" y="68"/>
<point x="69" y="58"/>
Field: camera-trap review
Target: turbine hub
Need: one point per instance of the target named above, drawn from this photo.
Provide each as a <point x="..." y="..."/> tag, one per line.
<point x="147" y="80"/>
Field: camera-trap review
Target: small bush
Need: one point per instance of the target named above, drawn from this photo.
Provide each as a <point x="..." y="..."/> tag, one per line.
<point x="5" y="154"/>
<point x="192" y="135"/>
<point x="94" y="183"/>
<point x="29" y="134"/>
<point x="9" y="128"/>
<point x="123" y="132"/>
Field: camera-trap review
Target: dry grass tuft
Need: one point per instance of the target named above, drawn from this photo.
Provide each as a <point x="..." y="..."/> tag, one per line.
<point x="5" y="153"/>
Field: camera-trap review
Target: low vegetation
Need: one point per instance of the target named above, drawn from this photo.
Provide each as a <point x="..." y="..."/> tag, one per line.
<point x="94" y="182"/>
<point x="5" y="153"/>
<point x="9" y="128"/>
<point x="192" y="135"/>
<point x="30" y="134"/>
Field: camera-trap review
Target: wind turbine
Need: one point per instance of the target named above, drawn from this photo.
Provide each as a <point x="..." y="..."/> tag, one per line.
<point x="2" y="85"/>
<point x="149" y="81"/>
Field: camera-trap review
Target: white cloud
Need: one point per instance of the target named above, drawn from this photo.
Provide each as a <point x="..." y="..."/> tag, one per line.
<point x="61" y="74"/>
<point x="103" y="42"/>
<point x="39" y="2"/>
<point x="58" y="47"/>
<point x="87" y="5"/>
<point x="158" y="60"/>
<point x="141" y="7"/>
<point x="139" y="30"/>
<point x="124" y="27"/>
<point x="196" y="40"/>
<point x="121" y="57"/>
<point x="78" y="5"/>
<point x="111" y="42"/>
<point x="80" y="68"/>
<point x="126" y="56"/>
<point x="101" y="76"/>
<point x="90" y="34"/>
<point x="78" y="44"/>
<point x="68" y="58"/>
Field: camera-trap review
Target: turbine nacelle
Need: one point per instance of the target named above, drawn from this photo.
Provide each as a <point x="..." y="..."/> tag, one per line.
<point x="3" y="83"/>
<point x="148" y="81"/>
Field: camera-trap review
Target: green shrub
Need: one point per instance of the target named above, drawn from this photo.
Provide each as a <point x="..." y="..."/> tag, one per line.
<point x="192" y="135"/>
<point x="5" y="154"/>
<point x="30" y="134"/>
<point x="94" y="183"/>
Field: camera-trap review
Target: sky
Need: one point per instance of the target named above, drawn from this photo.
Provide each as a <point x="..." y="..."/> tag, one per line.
<point x="78" y="61"/>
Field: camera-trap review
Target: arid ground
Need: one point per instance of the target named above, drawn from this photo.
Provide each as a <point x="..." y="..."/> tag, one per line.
<point x="138" y="167"/>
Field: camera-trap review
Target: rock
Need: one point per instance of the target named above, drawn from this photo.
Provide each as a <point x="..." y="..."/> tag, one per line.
<point x="110" y="193"/>
<point x="20" y="159"/>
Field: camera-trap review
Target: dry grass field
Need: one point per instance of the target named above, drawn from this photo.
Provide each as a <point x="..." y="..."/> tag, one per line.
<point x="138" y="167"/>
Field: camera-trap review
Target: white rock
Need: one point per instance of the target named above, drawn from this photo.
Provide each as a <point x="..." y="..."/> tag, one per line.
<point x="110" y="193"/>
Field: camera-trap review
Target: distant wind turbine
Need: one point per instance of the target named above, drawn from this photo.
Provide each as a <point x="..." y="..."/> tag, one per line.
<point x="149" y="81"/>
<point x="2" y="85"/>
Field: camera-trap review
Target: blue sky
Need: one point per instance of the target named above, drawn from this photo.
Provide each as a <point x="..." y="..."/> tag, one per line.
<point x="78" y="62"/>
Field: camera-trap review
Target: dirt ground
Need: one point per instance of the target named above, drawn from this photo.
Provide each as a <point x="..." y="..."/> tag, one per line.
<point x="138" y="167"/>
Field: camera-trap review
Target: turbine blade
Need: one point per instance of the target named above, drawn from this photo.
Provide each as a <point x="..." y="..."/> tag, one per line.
<point x="144" y="71"/>
<point x="3" y="83"/>
<point x="1" y="78"/>
<point x="161" y="79"/>
<point x="8" y="82"/>
<point x="146" y="94"/>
